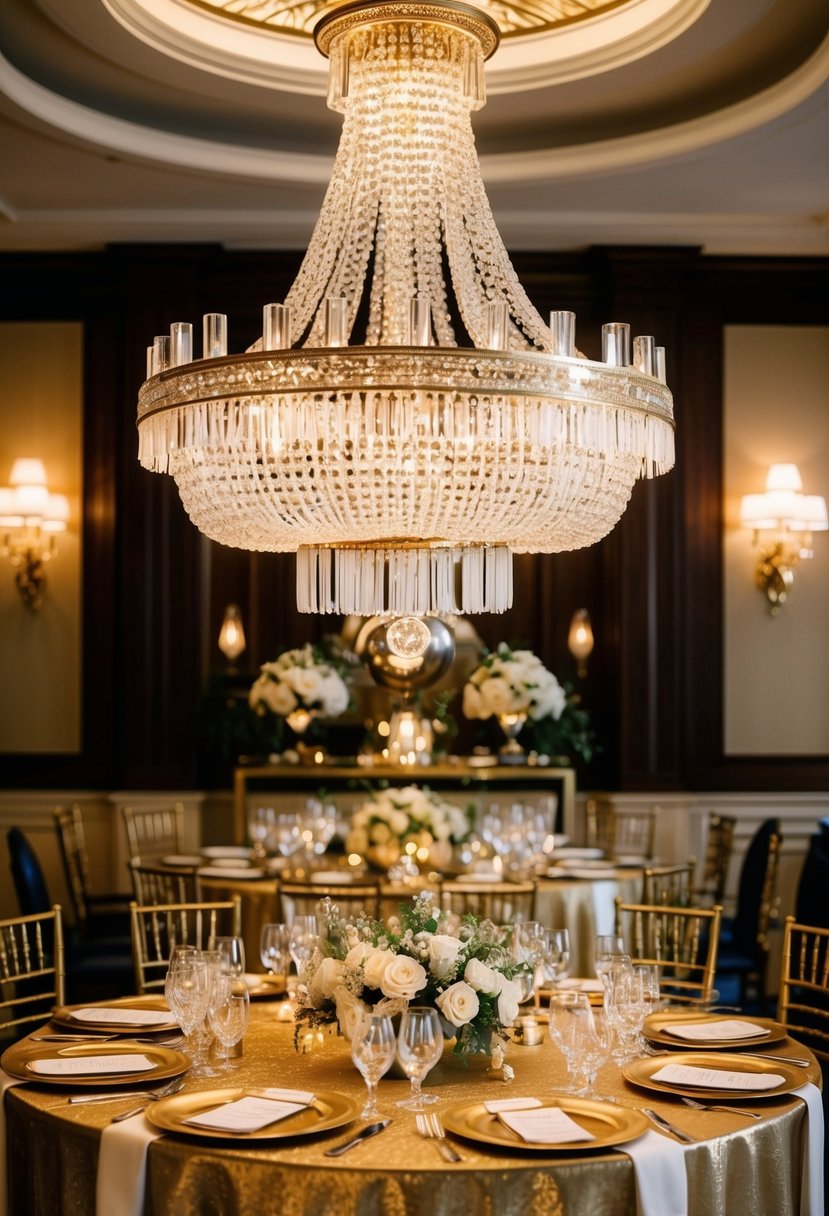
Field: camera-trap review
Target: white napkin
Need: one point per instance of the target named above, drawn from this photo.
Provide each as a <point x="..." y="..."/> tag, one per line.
<point x="6" y="1082"/>
<point x="661" y="1180"/>
<point x="122" y="1167"/>
<point x="724" y="1028"/>
<point x="545" y="1125"/>
<point x="88" y="1066"/>
<point x="576" y="985"/>
<point x="233" y="871"/>
<point x="122" y="1016"/>
<point x="812" y="1197"/>
<point x="716" y="1078"/>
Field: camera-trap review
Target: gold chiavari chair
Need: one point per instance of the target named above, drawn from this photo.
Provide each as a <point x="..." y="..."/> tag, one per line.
<point x="670" y="885"/>
<point x="32" y="971"/>
<point x="620" y="832"/>
<point x="153" y="883"/>
<point x="804" y="985"/>
<point x="157" y="928"/>
<point x="303" y="898"/>
<point x="501" y="902"/>
<point x="719" y="845"/>
<point x="154" y="832"/>
<point x="94" y="914"/>
<point x="681" y="942"/>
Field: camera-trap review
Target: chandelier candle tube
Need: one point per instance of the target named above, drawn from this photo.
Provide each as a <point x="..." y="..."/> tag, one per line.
<point x="161" y="353"/>
<point x="214" y="335"/>
<point x="276" y="327"/>
<point x="563" y="331"/>
<point x="644" y="356"/>
<point x="659" y="364"/>
<point x="150" y="357"/>
<point x="498" y="325"/>
<point x="181" y="343"/>
<point x="616" y="344"/>
<point x="405" y="459"/>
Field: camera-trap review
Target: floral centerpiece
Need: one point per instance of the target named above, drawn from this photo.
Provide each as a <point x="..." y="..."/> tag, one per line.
<point x="411" y="819"/>
<point x="423" y="956"/>
<point x="515" y="687"/>
<point x="299" y="685"/>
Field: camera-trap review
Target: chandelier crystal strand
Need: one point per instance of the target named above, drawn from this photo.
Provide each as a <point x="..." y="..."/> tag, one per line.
<point x="406" y="471"/>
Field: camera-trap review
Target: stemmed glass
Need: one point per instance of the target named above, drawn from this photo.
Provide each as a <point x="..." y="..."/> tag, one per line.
<point x="274" y="949"/>
<point x="231" y="955"/>
<point x="580" y="1039"/>
<point x="625" y="1008"/>
<point x="227" y="1013"/>
<point x="302" y="940"/>
<point x="528" y="942"/>
<point x="608" y="946"/>
<point x="419" y="1047"/>
<point x="558" y="944"/>
<point x="260" y="828"/>
<point x="373" y="1045"/>
<point x="189" y="991"/>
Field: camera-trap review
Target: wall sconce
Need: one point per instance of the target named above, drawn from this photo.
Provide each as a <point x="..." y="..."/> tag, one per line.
<point x="232" y="634"/>
<point x="30" y="517"/>
<point x="789" y="517"/>
<point x="580" y="640"/>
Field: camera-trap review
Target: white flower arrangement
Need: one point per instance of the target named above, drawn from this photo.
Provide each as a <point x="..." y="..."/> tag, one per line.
<point x="513" y="682"/>
<point x="408" y="816"/>
<point x="300" y="679"/>
<point x="424" y="956"/>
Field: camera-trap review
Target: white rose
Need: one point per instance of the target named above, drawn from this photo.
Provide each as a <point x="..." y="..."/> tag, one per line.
<point x="443" y="954"/>
<point x="403" y="977"/>
<point x="508" y="994"/>
<point x="481" y="977"/>
<point x="328" y="976"/>
<point x="473" y="705"/>
<point x="333" y="695"/>
<point x="305" y="682"/>
<point x="349" y="1011"/>
<point x="498" y="697"/>
<point x="398" y="821"/>
<point x="459" y="1004"/>
<point x="278" y="698"/>
<point x="379" y="833"/>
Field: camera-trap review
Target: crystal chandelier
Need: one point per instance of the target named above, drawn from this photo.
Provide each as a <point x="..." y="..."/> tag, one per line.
<point x="408" y="420"/>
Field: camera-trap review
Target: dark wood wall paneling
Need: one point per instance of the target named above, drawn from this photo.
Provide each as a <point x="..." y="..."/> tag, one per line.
<point x="155" y="590"/>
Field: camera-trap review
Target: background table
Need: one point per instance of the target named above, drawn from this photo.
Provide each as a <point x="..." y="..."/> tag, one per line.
<point x="734" y="1168"/>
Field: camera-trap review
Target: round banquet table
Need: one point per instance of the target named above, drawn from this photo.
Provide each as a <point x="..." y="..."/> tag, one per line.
<point x="738" y="1165"/>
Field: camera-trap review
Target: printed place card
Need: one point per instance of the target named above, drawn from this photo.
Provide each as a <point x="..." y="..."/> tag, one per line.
<point x="716" y="1078"/>
<point x="248" y="1114"/>
<point x="84" y="1066"/>
<point x="549" y="1125"/>
<point x="123" y="1017"/>
<point x="712" y="1032"/>
<point x="496" y="1105"/>
<point x="303" y="1096"/>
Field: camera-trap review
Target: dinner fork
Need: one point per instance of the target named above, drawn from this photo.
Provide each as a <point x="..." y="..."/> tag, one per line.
<point x="430" y="1126"/>
<point x="166" y="1092"/>
<point x="733" y="1110"/>
<point x="171" y="1087"/>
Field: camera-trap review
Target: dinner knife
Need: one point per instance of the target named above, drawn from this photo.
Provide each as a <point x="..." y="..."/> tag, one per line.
<point x="365" y="1134"/>
<point x="668" y="1127"/>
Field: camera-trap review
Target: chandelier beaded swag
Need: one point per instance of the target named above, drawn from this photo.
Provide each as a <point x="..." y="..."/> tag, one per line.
<point x="406" y="470"/>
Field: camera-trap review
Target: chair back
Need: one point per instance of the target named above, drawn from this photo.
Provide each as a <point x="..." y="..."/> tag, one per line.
<point x="152" y="833"/>
<point x="812" y="903"/>
<point x="303" y="898"/>
<point x="670" y="885"/>
<point x="501" y="902"/>
<point x="804" y="985"/>
<point x="719" y="846"/>
<point x="27" y="875"/>
<point x="681" y="942"/>
<point x="154" y="883"/>
<point x="32" y="971"/>
<point x="72" y="846"/>
<point x="757" y="892"/>
<point x="157" y="928"/>
<point x="620" y="832"/>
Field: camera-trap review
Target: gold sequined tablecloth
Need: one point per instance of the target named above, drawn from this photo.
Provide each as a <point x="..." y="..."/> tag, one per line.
<point x="738" y="1166"/>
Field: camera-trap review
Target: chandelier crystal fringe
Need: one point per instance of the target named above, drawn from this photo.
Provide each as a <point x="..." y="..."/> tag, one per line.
<point x="405" y="470"/>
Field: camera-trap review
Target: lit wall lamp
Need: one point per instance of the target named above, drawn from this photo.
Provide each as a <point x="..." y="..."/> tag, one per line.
<point x="783" y="520"/>
<point x="30" y="517"/>
<point x="232" y="634"/>
<point x="580" y="640"/>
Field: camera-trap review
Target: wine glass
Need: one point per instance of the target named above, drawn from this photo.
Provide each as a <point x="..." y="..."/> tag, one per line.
<point x="231" y="954"/>
<point x="274" y="948"/>
<point x="302" y="940"/>
<point x="373" y="1045"/>
<point x="260" y="828"/>
<point x="581" y="1039"/>
<point x="608" y="946"/>
<point x="190" y="982"/>
<point x="419" y="1047"/>
<point x="559" y="945"/>
<point x="625" y="1009"/>
<point x="227" y="1013"/>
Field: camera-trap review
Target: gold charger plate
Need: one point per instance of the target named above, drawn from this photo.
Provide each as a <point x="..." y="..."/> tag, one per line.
<point x="268" y="988"/>
<point x="330" y="1110"/>
<point x="657" y="1030"/>
<point x="62" y="1016"/>
<point x="609" y="1124"/>
<point x="640" y="1072"/>
<point x="166" y="1063"/>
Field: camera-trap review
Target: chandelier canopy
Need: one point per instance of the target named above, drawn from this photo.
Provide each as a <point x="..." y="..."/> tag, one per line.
<point x="408" y="420"/>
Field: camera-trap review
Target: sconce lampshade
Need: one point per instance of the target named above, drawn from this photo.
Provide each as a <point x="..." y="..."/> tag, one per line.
<point x="784" y="507"/>
<point x="580" y="639"/>
<point x="232" y="633"/>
